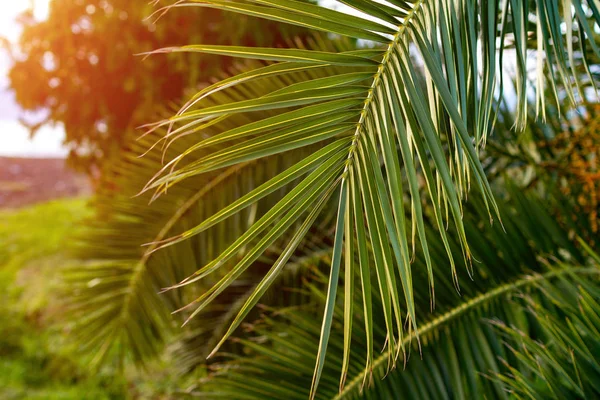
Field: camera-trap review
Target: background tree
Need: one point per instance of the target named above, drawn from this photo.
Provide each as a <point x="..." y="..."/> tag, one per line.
<point x="79" y="66"/>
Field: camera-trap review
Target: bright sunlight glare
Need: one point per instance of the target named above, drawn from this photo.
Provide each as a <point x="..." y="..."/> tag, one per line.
<point x="15" y="138"/>
<point x="10" y="9"/>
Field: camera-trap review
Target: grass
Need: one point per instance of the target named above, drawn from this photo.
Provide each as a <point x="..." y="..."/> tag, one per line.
<point x="35" y="359"/>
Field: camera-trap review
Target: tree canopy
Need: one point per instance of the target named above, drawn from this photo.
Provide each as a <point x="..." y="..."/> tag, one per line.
<point x="80" y="66"/>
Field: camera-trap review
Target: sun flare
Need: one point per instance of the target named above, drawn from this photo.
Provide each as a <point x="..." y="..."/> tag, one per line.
<point x="9" y="10"/>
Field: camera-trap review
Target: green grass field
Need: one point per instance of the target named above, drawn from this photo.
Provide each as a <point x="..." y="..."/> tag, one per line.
<point x="35" y="359"/>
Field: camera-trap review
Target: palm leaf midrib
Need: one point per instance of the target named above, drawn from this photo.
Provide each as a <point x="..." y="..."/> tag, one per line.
<point x="461" y="309"/>
<point x="377" y="80"/>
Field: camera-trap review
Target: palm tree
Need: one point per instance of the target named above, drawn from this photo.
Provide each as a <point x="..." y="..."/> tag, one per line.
<point x="306" y="153"/>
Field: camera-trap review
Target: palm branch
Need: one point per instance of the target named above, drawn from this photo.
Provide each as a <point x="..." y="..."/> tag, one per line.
<point x="380" y="125"/>
<point x="113" y="292"/>
<point x="562" y="361"/>
<point x="459" y="350"/>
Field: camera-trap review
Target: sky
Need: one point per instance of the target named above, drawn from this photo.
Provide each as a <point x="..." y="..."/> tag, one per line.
<point x="14" y="138"/>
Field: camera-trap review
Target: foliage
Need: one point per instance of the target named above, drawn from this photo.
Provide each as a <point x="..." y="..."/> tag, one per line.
<point x="24" y="233"/>
<point x="37" y="356"/>
<point x="458" y="359"/>
<point x="558" y="155"/>
<point x="385" y="129"/>
<point x="79" y="67"/>
<point x="456" y="346"/>
<point x="35" y="359"/>
<point x="365" y="154"/>
<point x="562" y="363"/>
<point x="115" y="288"/>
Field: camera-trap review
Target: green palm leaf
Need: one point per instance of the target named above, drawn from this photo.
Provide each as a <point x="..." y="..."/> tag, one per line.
<point x="438" y="125"/>
<point x="563" y="362"/>
<point x="113" y="293"/>
<point x="459" y="349"/>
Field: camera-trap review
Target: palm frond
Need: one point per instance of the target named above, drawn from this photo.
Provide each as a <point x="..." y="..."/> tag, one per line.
<point x="284" y="347"/>
<point x="113" y="293"/>
<point x="191" y="346"/>
<point x="459" y="350"/>
<point x="562" y="362"/>
<point x="393" y="127"/>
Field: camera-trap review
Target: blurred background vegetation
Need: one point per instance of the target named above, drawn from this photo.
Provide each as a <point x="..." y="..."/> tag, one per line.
<point x="37" y="357"/>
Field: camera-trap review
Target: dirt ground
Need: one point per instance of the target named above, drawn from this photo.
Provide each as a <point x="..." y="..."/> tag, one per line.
<point x="25" y="181"/>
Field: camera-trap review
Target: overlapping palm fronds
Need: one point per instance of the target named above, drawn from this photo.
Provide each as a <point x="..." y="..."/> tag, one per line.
<point x="563" y="361"/>
<point x="380" y="127"/>
<point x="191" y="346"/>
<point x="460" y="350"/>
<point x="114" y="291"/>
